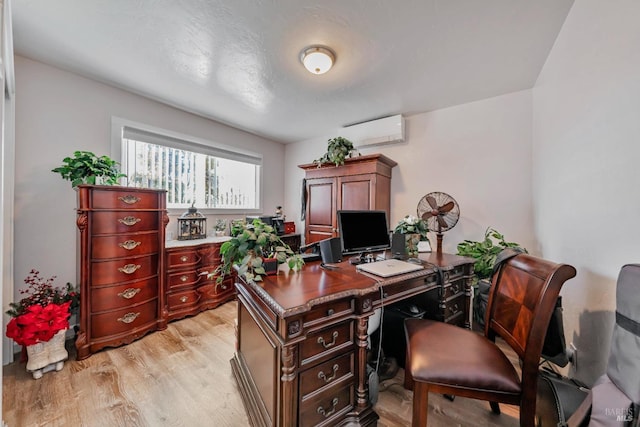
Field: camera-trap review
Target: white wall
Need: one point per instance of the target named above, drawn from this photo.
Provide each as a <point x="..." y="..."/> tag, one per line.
<point x="479" y="153"/>
<point x="58" y="112"/>
<point x="586" y="151"/>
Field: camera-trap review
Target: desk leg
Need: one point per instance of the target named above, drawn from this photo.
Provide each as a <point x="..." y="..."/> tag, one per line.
<point x="362" y="390"/>
<point x="289" y="389"/>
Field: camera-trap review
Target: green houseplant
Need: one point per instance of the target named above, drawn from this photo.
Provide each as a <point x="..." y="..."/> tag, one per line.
<point x="84" y="167"/>
<point x="414" y="229"/>
<point x="485" y="253"/>
<point x="338" y="149"/>
<point x="249" y="246"/>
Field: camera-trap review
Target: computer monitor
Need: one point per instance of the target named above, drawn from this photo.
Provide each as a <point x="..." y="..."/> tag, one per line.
<point x="363" y="231"/>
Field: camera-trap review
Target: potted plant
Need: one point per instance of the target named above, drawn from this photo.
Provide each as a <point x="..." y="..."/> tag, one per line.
<point x="414" y="230"/>
<point x="87" y="168"/>
<point x="40" y="320"/>
<point x="485" y="253"/>
<point x="220" y="227"/>
<point x="338" y="149"/>
<point x="250" y="244"/>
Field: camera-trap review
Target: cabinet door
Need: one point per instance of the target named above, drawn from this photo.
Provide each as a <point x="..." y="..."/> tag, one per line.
<point x="321" y="209"/>
<point x="357" y="192"/>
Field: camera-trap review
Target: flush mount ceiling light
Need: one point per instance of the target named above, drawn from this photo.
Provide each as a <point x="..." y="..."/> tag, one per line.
<point x="317" y="59"/>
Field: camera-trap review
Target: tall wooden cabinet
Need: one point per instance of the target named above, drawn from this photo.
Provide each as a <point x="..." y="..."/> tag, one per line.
<point x="363" y="183"/>
<point x="122" y="234"/>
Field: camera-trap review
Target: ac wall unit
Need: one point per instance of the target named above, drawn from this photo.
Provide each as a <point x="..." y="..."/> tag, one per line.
<point x="376" y="132"/>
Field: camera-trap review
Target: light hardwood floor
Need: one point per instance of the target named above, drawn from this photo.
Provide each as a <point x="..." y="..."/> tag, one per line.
<point x="182" y="377"/>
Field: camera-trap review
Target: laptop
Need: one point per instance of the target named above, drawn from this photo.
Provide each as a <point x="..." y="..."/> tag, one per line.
<point x="389" y="267"/>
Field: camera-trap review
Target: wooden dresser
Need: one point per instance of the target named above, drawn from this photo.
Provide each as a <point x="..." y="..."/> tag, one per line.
<point x="363" y="183"/>
<point x="188" y="288"/>
<point x="122" y="234"/>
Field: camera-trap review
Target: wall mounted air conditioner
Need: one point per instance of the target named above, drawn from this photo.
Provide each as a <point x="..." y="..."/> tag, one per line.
<point x="376" y="132"/>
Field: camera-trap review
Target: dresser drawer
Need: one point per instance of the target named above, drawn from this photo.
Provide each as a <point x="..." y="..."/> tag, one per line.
<point x="326" y="374"/>
<point x="325" y="407"/>
<point x="183" y="258"/>
<point x="105" y="199"/>
<point x="326" y="342"/>
<point x="124" y="245"/>
<point x="123" y="320"/>
<point x="210" y="255"/>
<point x="184" y="299"/>
<point x="123" y="270"/>
<point x="182" y="279"/>
<point x="124" y="222"/>
<point x="112" y="297"/>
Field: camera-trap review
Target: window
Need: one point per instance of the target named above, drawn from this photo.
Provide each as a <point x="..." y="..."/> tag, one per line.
<point x="192" y="172"/>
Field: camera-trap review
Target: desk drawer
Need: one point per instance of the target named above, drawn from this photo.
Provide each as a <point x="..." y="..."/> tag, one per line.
<point x="397" y="291"/>
<point x="455" y="273"/>
<point x="326" y="342"/>
<point x="327" y="373"/>
<point x="326" y="407"/>
<point x="454" y="289"/>
<point x="325" y="311"/>
<point x="454" y="308"/>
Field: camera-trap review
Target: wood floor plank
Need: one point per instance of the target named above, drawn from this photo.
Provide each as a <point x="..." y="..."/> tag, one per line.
<point x="182" y="377"/>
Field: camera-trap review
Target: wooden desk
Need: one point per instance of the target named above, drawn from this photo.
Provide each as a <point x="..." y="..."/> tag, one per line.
<point x="302" y="343"/>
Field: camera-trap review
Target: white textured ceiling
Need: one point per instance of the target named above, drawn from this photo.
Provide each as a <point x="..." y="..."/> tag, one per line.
<point x="238" y="61"/>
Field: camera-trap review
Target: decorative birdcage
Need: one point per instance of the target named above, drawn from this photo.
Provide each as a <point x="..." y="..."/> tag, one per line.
<point x="192" y="225"/>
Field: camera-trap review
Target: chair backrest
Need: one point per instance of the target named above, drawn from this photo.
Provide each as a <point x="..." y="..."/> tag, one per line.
<point x="521" y="301"/>
<point x="623" y="367"/>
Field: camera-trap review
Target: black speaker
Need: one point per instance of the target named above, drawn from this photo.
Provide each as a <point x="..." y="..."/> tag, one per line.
<point x="398" y="245"/>
<point x="331" y="250"/>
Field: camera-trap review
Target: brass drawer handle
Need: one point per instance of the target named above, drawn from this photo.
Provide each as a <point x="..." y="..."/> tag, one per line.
<point x="332" y="343"/>
<point x="454" y="309"/>
<point x="129" y="199"/>
<point x="325" y="413"/>
<point x="184" y="258"/>
<point x="129" y="293"/>
<point x="330" y="312"/>
<point x="129" y="244"/>
<point x="129" y="268"/>
<point x="184" y="278"/>
<point x="326" y="379"/>
<point x="129" y="220"/>
<point x="129" y="317"/>
<point x="184" y="299"/>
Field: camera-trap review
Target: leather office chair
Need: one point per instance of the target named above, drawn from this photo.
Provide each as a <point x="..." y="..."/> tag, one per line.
<point x="446" y="359"/>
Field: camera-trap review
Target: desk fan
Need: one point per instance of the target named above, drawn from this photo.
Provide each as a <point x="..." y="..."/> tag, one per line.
<point x="441" y="212"/>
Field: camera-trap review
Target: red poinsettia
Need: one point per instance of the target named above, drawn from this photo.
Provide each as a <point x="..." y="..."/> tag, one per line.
<point x="43" y="313"/>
